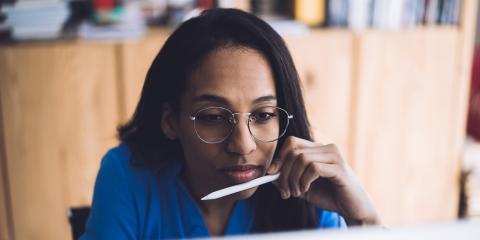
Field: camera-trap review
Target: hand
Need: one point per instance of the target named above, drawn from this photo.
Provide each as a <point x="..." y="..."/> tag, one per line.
<point x="318" y="174"/>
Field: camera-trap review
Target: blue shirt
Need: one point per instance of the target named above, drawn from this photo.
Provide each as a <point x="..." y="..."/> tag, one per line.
<point x="135" y="203"/>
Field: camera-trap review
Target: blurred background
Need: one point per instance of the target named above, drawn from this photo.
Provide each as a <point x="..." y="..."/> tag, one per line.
<point x="394" y="83"/>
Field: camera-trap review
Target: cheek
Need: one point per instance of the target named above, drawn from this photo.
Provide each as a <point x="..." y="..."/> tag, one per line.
<point x="198" y="155"/>
<point x="201" y="152"/>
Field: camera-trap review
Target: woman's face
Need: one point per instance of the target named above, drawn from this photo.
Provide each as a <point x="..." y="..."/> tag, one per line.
<point x="239" y="79"/>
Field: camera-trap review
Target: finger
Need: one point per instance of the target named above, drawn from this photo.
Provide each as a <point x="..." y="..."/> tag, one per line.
<point x="285" y="173"/>
<point x="299" y="166"/>
<point x="272" y="169"/>
<point x="316" y="170"/>
<point x="308" y="150"/>
<point x="332" y="149"/>
<point x="290" y="143"/>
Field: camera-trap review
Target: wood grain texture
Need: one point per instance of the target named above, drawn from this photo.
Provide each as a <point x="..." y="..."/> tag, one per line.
<point x="324" y="62"/>
<point x="134" y="59"/>
<point x="6" y="217"/>
<point x="60" y="109"/>
<point x="404" y="96"/>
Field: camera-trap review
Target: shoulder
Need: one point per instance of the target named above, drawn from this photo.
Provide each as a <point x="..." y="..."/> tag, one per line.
<point x="117" y="170"/>
<point x="119" y="167"/>
<point x="117" y="157"/>
<point x="112" y="205"/>
<point x="123" y="197"/>
<point x="115" y="164"/>
<point x="119" y="161"/>
<point x="329" y="219"/>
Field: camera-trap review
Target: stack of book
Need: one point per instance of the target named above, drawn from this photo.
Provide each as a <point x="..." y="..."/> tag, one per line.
<point x="129" y="25"/>
<point x="36" y="19"/>
<point x="378" y="14"/>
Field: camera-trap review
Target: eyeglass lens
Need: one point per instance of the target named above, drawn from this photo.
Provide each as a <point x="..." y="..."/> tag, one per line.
<point x="266" y="124"/>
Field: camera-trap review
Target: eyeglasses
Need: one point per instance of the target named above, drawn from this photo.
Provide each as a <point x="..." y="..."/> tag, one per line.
<point x="265" y="124"/>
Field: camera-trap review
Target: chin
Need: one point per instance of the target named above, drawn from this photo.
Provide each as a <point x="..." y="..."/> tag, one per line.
<point x="245" y="194"/>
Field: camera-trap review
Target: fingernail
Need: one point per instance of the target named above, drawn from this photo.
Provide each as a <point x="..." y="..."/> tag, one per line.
<point x="295" y="193"/>
<point x="284" y="195"/>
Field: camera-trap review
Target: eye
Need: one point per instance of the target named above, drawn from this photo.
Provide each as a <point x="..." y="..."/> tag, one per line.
<point x="212" y="118"/>
<point x="263" y="117"/>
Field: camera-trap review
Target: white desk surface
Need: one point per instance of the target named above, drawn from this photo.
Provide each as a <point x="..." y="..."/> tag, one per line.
<point x="460" y="230"/>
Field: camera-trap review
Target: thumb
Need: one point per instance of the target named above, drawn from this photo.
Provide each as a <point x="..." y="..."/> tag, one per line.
<point x="273" y="167"/>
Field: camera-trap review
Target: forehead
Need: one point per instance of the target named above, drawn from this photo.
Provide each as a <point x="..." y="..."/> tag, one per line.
<point x="240" y="75"/>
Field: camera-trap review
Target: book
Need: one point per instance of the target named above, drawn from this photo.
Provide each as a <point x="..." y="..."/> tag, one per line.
<point x="337" y="13"/>
<point x="358" y="14"/>
<point x="36" y="19"/>
<point x="310" y="12"/>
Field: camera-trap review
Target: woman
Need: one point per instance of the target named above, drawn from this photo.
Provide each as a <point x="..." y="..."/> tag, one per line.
<point x="221" y="105"/>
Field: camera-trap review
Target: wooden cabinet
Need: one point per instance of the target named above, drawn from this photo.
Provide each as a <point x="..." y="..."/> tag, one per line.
<point x="5" y="213"/>
<point x="135" y="58"/>
<point x="325" y="66"/>
<point x="403" y="128"/>
<point x="60" y="108"/>
<point x="395" y="103"/>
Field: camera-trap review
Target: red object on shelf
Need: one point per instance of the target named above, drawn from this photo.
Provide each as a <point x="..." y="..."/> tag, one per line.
<point x="473" y="123"/>
<point x="103" y="4"/>
<point x="205" y="4"/>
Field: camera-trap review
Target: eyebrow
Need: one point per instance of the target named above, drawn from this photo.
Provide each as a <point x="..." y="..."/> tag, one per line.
<point x="224" y="101"/>
<point x="266" y="98"/>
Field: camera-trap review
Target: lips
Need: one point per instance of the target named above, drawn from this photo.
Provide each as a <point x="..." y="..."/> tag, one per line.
<point x="241" y="173"/>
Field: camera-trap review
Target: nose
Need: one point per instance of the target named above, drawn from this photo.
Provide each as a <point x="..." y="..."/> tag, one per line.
<point x="241" y="141"/>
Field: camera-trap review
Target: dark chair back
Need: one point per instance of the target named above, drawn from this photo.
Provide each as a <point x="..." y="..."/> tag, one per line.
<point x="78" y="218"/>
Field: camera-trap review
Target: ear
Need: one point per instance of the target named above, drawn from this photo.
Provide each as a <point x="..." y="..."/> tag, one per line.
<point x="168" y="123"/>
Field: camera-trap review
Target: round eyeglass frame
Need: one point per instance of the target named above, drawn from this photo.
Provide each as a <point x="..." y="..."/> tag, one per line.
<point x="249" y="114"/>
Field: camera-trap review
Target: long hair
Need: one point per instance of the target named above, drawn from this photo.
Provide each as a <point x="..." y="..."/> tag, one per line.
<point x="166" y="82"/>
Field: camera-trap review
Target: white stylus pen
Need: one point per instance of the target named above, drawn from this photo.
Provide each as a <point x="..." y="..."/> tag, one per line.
<point x="240" y="187"/>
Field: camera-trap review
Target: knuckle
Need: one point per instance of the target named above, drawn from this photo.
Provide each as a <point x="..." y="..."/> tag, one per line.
<point x="293" y="141"/>
<point x="303" y="158"/>
<point x="338" y="159"/>
<point x="292" y="153"/>
<point x="290" y="140"/>
<point x="311" y="169"/>
<point x="334" y="147"/>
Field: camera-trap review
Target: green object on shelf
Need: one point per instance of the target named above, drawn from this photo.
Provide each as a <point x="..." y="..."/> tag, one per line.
<point x="107" y="17"/>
